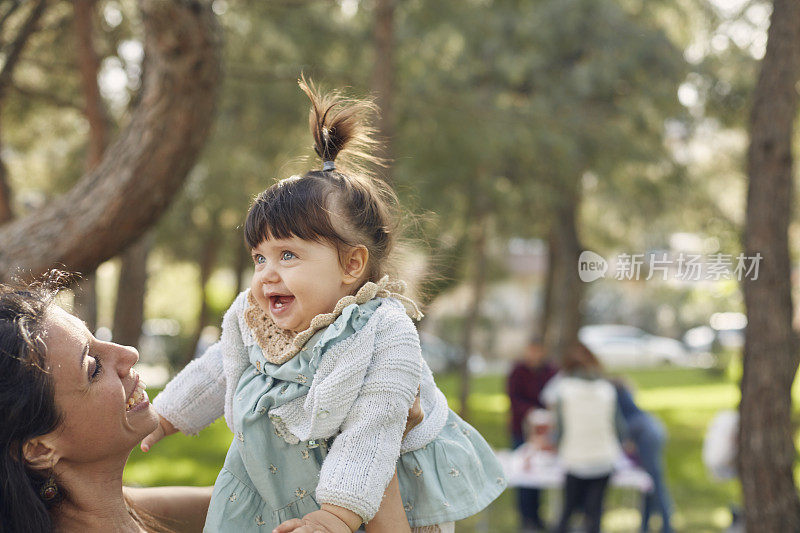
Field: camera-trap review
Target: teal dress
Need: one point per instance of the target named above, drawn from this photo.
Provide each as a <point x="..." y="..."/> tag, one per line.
<point x="266" y="480"/>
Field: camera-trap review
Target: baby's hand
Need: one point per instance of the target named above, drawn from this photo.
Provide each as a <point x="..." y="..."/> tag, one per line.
<point x="415" y="416"/>
<point x="321" y="521"/>
<point x="164" y="429"/>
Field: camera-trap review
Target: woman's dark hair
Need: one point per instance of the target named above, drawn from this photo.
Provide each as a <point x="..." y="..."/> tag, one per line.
<point x="28" y="407"/>
<point x="578" y="357"/>
<point x="27" y="402"/>
<point x="344" y="207"/>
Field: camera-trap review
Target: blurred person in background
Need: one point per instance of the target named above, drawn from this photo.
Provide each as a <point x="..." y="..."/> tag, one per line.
<point x="525" y="383"/>
<point x="589" y="430"/>
<point x="648" y="434"/>
<point x="720" y="451"/>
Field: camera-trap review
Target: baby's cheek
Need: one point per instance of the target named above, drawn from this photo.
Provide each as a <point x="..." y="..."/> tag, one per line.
<point x="263" y="303"/>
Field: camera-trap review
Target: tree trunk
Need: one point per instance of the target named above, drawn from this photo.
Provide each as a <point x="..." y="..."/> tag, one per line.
<point x="567" y="289"/>
<point x="129" y="308"/>
<point x="113" y="205"/>
<point x="89" y="65"/>
<point x="85" y="291"/>
<point x="766" y="447"/>
<point x="94" y="111"/>
<point x="383" y="75"/>
<point x="6" y="212"/>
<point x="547" y="304"/>
<point x="479" y="245"/>
<point x="208" y="259"/>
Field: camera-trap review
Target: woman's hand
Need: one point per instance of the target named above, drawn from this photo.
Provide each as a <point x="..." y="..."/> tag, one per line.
<point x="415" y="416"/>
<point x="322" y="521"/>
<point x="164" y="429"/>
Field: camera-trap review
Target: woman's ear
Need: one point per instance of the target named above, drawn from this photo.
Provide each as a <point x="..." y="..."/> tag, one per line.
<point x="355" y="264"/>
<point x="39" y="453"/>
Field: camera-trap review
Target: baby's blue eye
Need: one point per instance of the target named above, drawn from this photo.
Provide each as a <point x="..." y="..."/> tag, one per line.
<point x="259" y="259"/>
<point x="286" y="255"/>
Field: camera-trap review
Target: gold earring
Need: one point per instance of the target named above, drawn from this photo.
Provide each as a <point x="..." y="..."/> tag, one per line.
<point x="49" y="490"/>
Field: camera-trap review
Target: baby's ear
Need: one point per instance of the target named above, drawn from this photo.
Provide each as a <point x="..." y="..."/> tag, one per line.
<point x="355" y="264"/>
<point x="39" y="453"/>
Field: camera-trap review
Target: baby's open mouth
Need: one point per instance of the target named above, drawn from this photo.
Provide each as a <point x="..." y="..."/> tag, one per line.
<point x="279" y="302"/>
<point x="138" y="396"/>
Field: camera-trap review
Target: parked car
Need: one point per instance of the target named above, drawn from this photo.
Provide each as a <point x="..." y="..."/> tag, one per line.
<point x="617" y="345"/>
<point x="724" y="330"/>
<point x="712" y="345"/>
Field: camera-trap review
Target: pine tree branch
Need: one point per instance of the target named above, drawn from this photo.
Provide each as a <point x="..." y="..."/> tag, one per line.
<point x="12" y="7"/>
<point x="45" y="96"/>
<point x="17" y="45"/>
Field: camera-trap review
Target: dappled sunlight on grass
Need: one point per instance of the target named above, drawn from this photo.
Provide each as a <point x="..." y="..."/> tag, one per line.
<point x="620" y="519"/>
<point x="721" y="517"/>
<point x="713" y="397"/>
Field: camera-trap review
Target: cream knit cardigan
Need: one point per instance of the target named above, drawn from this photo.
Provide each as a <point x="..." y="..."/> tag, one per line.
<point x="361" y="392"/>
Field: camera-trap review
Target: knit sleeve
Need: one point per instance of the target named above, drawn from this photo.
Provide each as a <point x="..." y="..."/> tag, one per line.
<point x="362" y="459"/>
<point x="195" y="397"/>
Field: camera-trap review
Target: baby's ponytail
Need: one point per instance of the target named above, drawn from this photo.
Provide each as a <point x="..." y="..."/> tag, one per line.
<point x="338" y="122"/>
<point x="302" y="206"/>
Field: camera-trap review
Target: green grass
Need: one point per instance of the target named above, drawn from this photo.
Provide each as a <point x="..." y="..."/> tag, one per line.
<point x="685" y="399"/>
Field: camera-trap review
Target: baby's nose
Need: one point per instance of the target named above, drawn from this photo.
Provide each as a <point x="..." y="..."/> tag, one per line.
<point x="269" y="273"/>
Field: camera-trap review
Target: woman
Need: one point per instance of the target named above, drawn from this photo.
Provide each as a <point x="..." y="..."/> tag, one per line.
<point x="589" y="431"/>
<point x="68" y="428"/>
<point x="73" y="409"/>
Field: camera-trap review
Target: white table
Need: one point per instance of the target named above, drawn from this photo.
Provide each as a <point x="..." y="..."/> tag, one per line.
<point x="528" y="467"/>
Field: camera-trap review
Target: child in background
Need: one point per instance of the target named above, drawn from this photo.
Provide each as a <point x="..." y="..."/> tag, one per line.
<point x="319" y="362"/>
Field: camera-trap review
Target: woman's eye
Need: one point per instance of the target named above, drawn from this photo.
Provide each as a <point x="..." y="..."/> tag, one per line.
<point x="286" y="256"/>
<point x="97" y="368"/>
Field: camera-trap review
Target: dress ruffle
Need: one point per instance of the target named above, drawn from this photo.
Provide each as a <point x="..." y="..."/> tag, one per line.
<point x="454" y="476"/>
<point x="237" y="506"/>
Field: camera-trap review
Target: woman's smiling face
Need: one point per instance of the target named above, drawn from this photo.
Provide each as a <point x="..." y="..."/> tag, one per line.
<point x="94" y="389"/>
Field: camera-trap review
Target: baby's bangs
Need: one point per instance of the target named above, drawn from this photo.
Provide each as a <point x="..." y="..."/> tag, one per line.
<point x="293" y="208"/>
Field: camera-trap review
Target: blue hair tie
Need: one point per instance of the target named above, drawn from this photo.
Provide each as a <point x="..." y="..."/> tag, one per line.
<point x="327" y="165"/>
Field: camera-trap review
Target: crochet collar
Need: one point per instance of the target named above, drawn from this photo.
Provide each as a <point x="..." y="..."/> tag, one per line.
<point x="280" y="345"/>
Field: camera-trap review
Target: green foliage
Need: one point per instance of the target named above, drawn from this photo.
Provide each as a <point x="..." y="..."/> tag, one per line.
<point x="506" y="120"/>
<point x="510" y="119"/>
